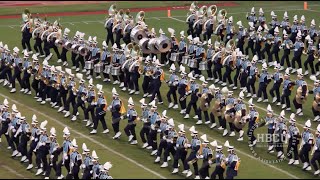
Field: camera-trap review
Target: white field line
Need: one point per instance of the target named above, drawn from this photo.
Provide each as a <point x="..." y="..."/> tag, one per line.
<point x="156" y="18"/>
<point x="85" y="22"/>
<point x="71" y="24"/>
<point x="313" y="10"/>
<point x="88" y="138"/>
<point x="177" y="19"/>
<point x="12" y="171"/>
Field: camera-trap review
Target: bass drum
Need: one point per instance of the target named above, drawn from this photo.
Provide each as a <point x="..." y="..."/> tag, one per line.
<point x="152" y="47"/>
<point x="143" y="43"/>
<point x="163" y="44"/>
<point x="137" y="33"/>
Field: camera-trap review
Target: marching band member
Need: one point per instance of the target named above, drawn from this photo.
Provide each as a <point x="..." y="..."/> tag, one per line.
<point x="64" y="49"/>
<point x="294" y="30"/>
<point x="100" y="112"/>
<point x="171" y="139"/>
<point x="258" y="43"/>
<point x="315" y="91"/>
<point x="174" y="47"/>
<point x="144" y="132"/>
<point x="173" y="84"/>
<point x="183" y="88"/>
<point x="75" y="160"/>
<point x="54" y="85"/>
<point x="106" y="60"/>
<point x="285" y="25"/>
<point x="90" y="102"/>
<point x="35" y="133"/>
<point x="194" y="89"/>
<point x="44" y="81"/>
<point x="217" y="61"/>
<point x="278" y="79"/>
<point x="147" y="72"/>
<point x="36" y="71"/>
<point x="74" y="52"/>
<point x="26" y="31"/>
<point x="253" y="121"/>
<point x="316" y="152"/>
<point x="229" y="63"/>
<point x="232" y="162"/>
<point x="251" y="39"/>
<point x="104" y="173"/>
<point x="218" y="159"/>
<point x="62" y="90"/>
<point x="244" y="72"/>
<point x="27" y="70"/>
<point x="132" y="116"/>
<point x="317" y="65"/>
<point x="229" y="104"/>
<point x="293" y="136"/>
<point x="306" y="145"/>
<point x="298" y="49"/>
<point x="6" y="74"/>
<point x="195" y="146"/>
<point x="54" y="151"/>
<point x="96" y="165"/>
<point x="71" y="88"/>
<point x="276" y="44"/>
<point x="241" y="35"/>
<point x="262" y="20"/>
<point x="302" y="92"/>
<point x="209" y="54"/>
<point x="17" y="64"/>
<point x="270" y="122"/>
<point x="280" y="132"/>
<point x="87" y="163"/>
<point x="41" y="149"/>
<point x="66" y="146"/>
<point x="267" y="48"/>
<point x="217" y="108"/>
<point x="80" y="96"/>
<point x="80" y="59"/>
<point x="205" y="98"/>
<point x="163" y="130"/>
<point x="286" y="91"/>
<point x="37" y="37"/>
<point x="117" y="109"/>
<point x="134" y="73"/>
<point x="312" y="31"/>
<point x="205" y="154"/>
<point x="264" y="80"/>
<point x="252" y="17"/>
<point x="24" y="129"/>
<point x="109" y="26"/>
<point x="95" y="57"/>
<point x="200" y="57"/>
<point x="154" y="121"/>
<point x="274" y="23"/>
<point x="12" y="131"/>
<point x="252" y="76"/>
<point x="115" y="62"/>
<point x="311" y="51"/>
<point x="239" y="59"/>
<point x="198" y="26"/>
<point x="240" y="107"/>
<point x="229" y="29"/>
<point x="303" y="28"/>
<point x="182" y="47"/>
<point x="157" y="78"/>
<point x="181" y="152"/>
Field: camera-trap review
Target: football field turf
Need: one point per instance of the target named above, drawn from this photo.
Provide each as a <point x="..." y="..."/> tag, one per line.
<point x="132" y="161"/>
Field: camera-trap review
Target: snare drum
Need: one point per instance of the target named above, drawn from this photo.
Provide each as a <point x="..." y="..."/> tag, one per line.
<point x="174" y="57"/>
<point x="185" y="59"/>
<point x="115" y="71"/>
<point x="88" y="65"/>
<point x="192" y="63"/>
<point x="107" y="69"/>
<point x="203" y="65"/>
<point x="98" y="68"/>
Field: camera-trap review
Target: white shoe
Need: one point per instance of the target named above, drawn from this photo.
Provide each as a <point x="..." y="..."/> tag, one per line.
<point x="105" y="131"/>
<point x="78" y="113"/>
<point x="232" y="134"/>
<point x="220" y="128"/>
<point x="197" y="177"/>
<point x="259" y="99"/>
<point x="42" y="55"/>
<point x="169" y="158"/>
<point x="154" y="152"/>
<point x="157" y="159"/>
<point x="60" y="177"/>
<point x="288" y="109"/>
<point x="73" y="67"/>
<point x="274" y="99"/>
<point x="270" y="148"/>
<point x="60" y="109"/>
<point x="207" y="122"/>
<point x="23" y="158"/>
<point x="5" y="82"/>
<point x="186" y="116"/>
<point x="134" y="142"/>
<point x="305" y="165"/>
<point x="89" y="123"/>
<point x="280" y="153"/>
<point x="118" y="134"/>
<point x="78" y="69"/>
<point x="213" y="125"/>
<point x="13" y="90"/>
<point x="308" y="168"/>
<point x="39" y="171"/>
<point x="175" y="171"/>
<point x="283" y="106"/>
<point x="19" y="155"/>
<point x="67" y="114"/>
<point x="254" y="142"/>
<point x="164" y="165"/>
<point x="22" y="90"/>
<point x="48" y="99"/>
<point x="299" y="111"/>
<point x="39" y="100"/>
<point x="74" y="118"/>
<point x="318" y="73"/>
<point x="14" y="153"/>
<point x="189" y="173"/>
<point x="116" y="82"/>
<point x="199" y="122"/>
<point x="121" y="85"/>
<point x="317" y="172"/>
<point x="296" y="162"/>
<point x="240" y="139"/>
<point x="235" y="88"/>
<point x="132" y="92"/>
<point x="316" y="118"/>
<point x="98" y="77"/>
<point x="195" y="117"/>
<point x="59" y="61"/>
<point x="29" y="92"/>
<point x="216" y="81"/>
<point x="137" y="92"/>
<point x="124" y="89"/>
<point x="9" y="147"/>
<point x="254" y="96"/>
<point x="279" y="103"/>
<point x="185" y="171"/>
<point x="106" y="80"/>
<point x="65" y="63"/>
<point x="94" y="131"/>
<point x="149" y="147"/>
<point x="87" y="73"/>
<point x="291" y="161"/>
<point x="30" y="166"/>
<point x="89" y="77"/>
<point x="266" y="100"/>
<point x="130" y="138"/>
<point x="175" y="106"/>
<point x="225" y="132"/>
<point x="46" y="178"/>
<point x="223" y="84"/>
<point x="306" y="72"/>
<point x="10" y="86"/>
<point x="84" y="70"/>
<point x="293" y="71"/>
<point x="54" y="104"/>
<point x="144" y="145"/>
<point x="248" y="95"/>
<point x="170" y="105"/>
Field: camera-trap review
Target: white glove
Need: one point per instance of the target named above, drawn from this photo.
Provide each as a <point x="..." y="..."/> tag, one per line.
<point x="159" y="131"/>
<point x="36" y="139"/>
<point x="71" y="164"/>
<point x="189" y="145"/>
<point x="237" y="40"/>
<point x="121" y="117"/>
<point x="51" y="156"/>
<point x="35" y="150"/>
<point x="83" y="166"/>
<point x="65" y="156"/>
<point x="92" y="104"/>
<point x="288" y="136"/>
<point x="32" y="138"/>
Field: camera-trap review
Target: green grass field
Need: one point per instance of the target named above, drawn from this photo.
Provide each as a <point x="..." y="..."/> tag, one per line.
<point x="132" y="161"/>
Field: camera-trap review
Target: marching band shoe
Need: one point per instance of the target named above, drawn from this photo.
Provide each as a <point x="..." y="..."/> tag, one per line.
<point x="208" y="79"/>
<point x="105" y="79"/>
<point x="254" y="142"/>
<point x="19" y="155"/>
<point x="51" y="103"/>
<point x="283" y="106"/>
<point x="308" y="168"/>
<point x="248" y="95"/>
<point x="13" y="90"/>
<point x="9" y="147"/>
<point x="25" y="161"/>
<point x="59" y="61"/>
<point x="259" y="100"/>
<point x="29" y="92"/>
<point x="170" y="105"/>
<point x="189" y="173"/>
<point x="278" y="104"/>
<point x="316" y="118"/>
<point x="121" y="85"/>
<point x="145" y="95"/>
<point x="306" y="72"/>
<point x="224" y="84"/>
<point x="231" y="85"/>
<point x="235" y="88"/>
<point x="30" y="52"/>
<point x="305" y="165"/>
<point x="216" y="81"/>
<point x="240" y="139"/>
<point x="154" y="152"/>
<point x="65" y="63"/>
<point x="88" y="123"/>
<point x="317" y="74"/>
<point x="157" y="159"/>
<point x="118" y="134"/>
<point x="64" y="111"/>
<point x="299" y="111"/>
<point x="36" y="97"/>
<point x="291" y="161"/>
<point x="176" y="106"/>
<point x="296" y="162"/>
<point x="288" y="109"/>
<point x="207" y="122"/>
<point x="185" y="171"/>
<point x="84" y="71"/>
<point x="54" y="104"/>
<point x="280" y="153"/>
<point x="48" y="99"/>
<point x="92" y="125"/>
<point x="186" y="116"/>
<point x="39" y="171"/>
<point x="149" y="95"/>
<point x="106" y="131"/>
<point x="160" y="102"/>
<point x="195" y="117"/>
<point x="164" y="165"/>
<point x="137" y="92"/>
<point x="87" y="73"/>
<point x="266" y="100"/>
<point x="116" y="82"/>
<point x="254" y="96"/>
<point x="89" y="77"/>
<point x="43" y="102"/>
<point x="213" y="125"/>
<point x="220" y="82"/>
<point x="5" y="82"/>
<point x="74" y="118"/>
<point x="270" y="148"/>
<point x="73" y="67"/>
<point x="300" y="114"/>
<point x="30" y="166"/>
<point x="67" y="114"/>
<point x="78" y="113"/>
<point x="175" y="171"/>
<point x="144" y="145"/>
<point x="85" y="120"/>
<point x="169" y="158"/>
<point x="23" y="158"/>
<point x="42" y="56"/>
<point x="225" y="132"/>
<point x="46" y="177"/>
<point x="293" y="71"/>
<point x="274" y="99"/>
<point x="94" y="131"/>
<point x="183" y="111"/>
<point x="131" y="92"/>
<point x="10" y="86"/>
<point x="197" y="177"/>
<point x="317" y="172"/>
<point x="98" y="77"/>
<point x="15" y="152"/>
<point x="78" y="69"/>
<point x="60" y="177"/>
<point x="199" y="122"/>
<point x="130" y="138"/>
<point x="196" y="75"/>
<point x="134" y="142"/>
<point x="220" y="128"/>
<point x="232" y="134"/>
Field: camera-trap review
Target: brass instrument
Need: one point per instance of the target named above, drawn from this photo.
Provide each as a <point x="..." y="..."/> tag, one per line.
<point x="222" y="14"/>
<point x="140" y="16"/>
<point x="112" y="10"/>
<point x="216" y="108"/>
<point x="203" y="101"/>
<point x="240" y="119"/>
<point x="212" y="10"/>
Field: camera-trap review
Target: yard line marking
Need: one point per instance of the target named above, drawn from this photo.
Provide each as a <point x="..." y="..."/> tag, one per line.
<point x="11" y="27"/>
<point x="13" y="171"/>
<point x="156" y="18"/>
<point x="312" y="10"/>
<point x="88" y="138"/>
<point x="177" y="19"/>
<point x="85" y="22"/>
<point x="71" y="24"/>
